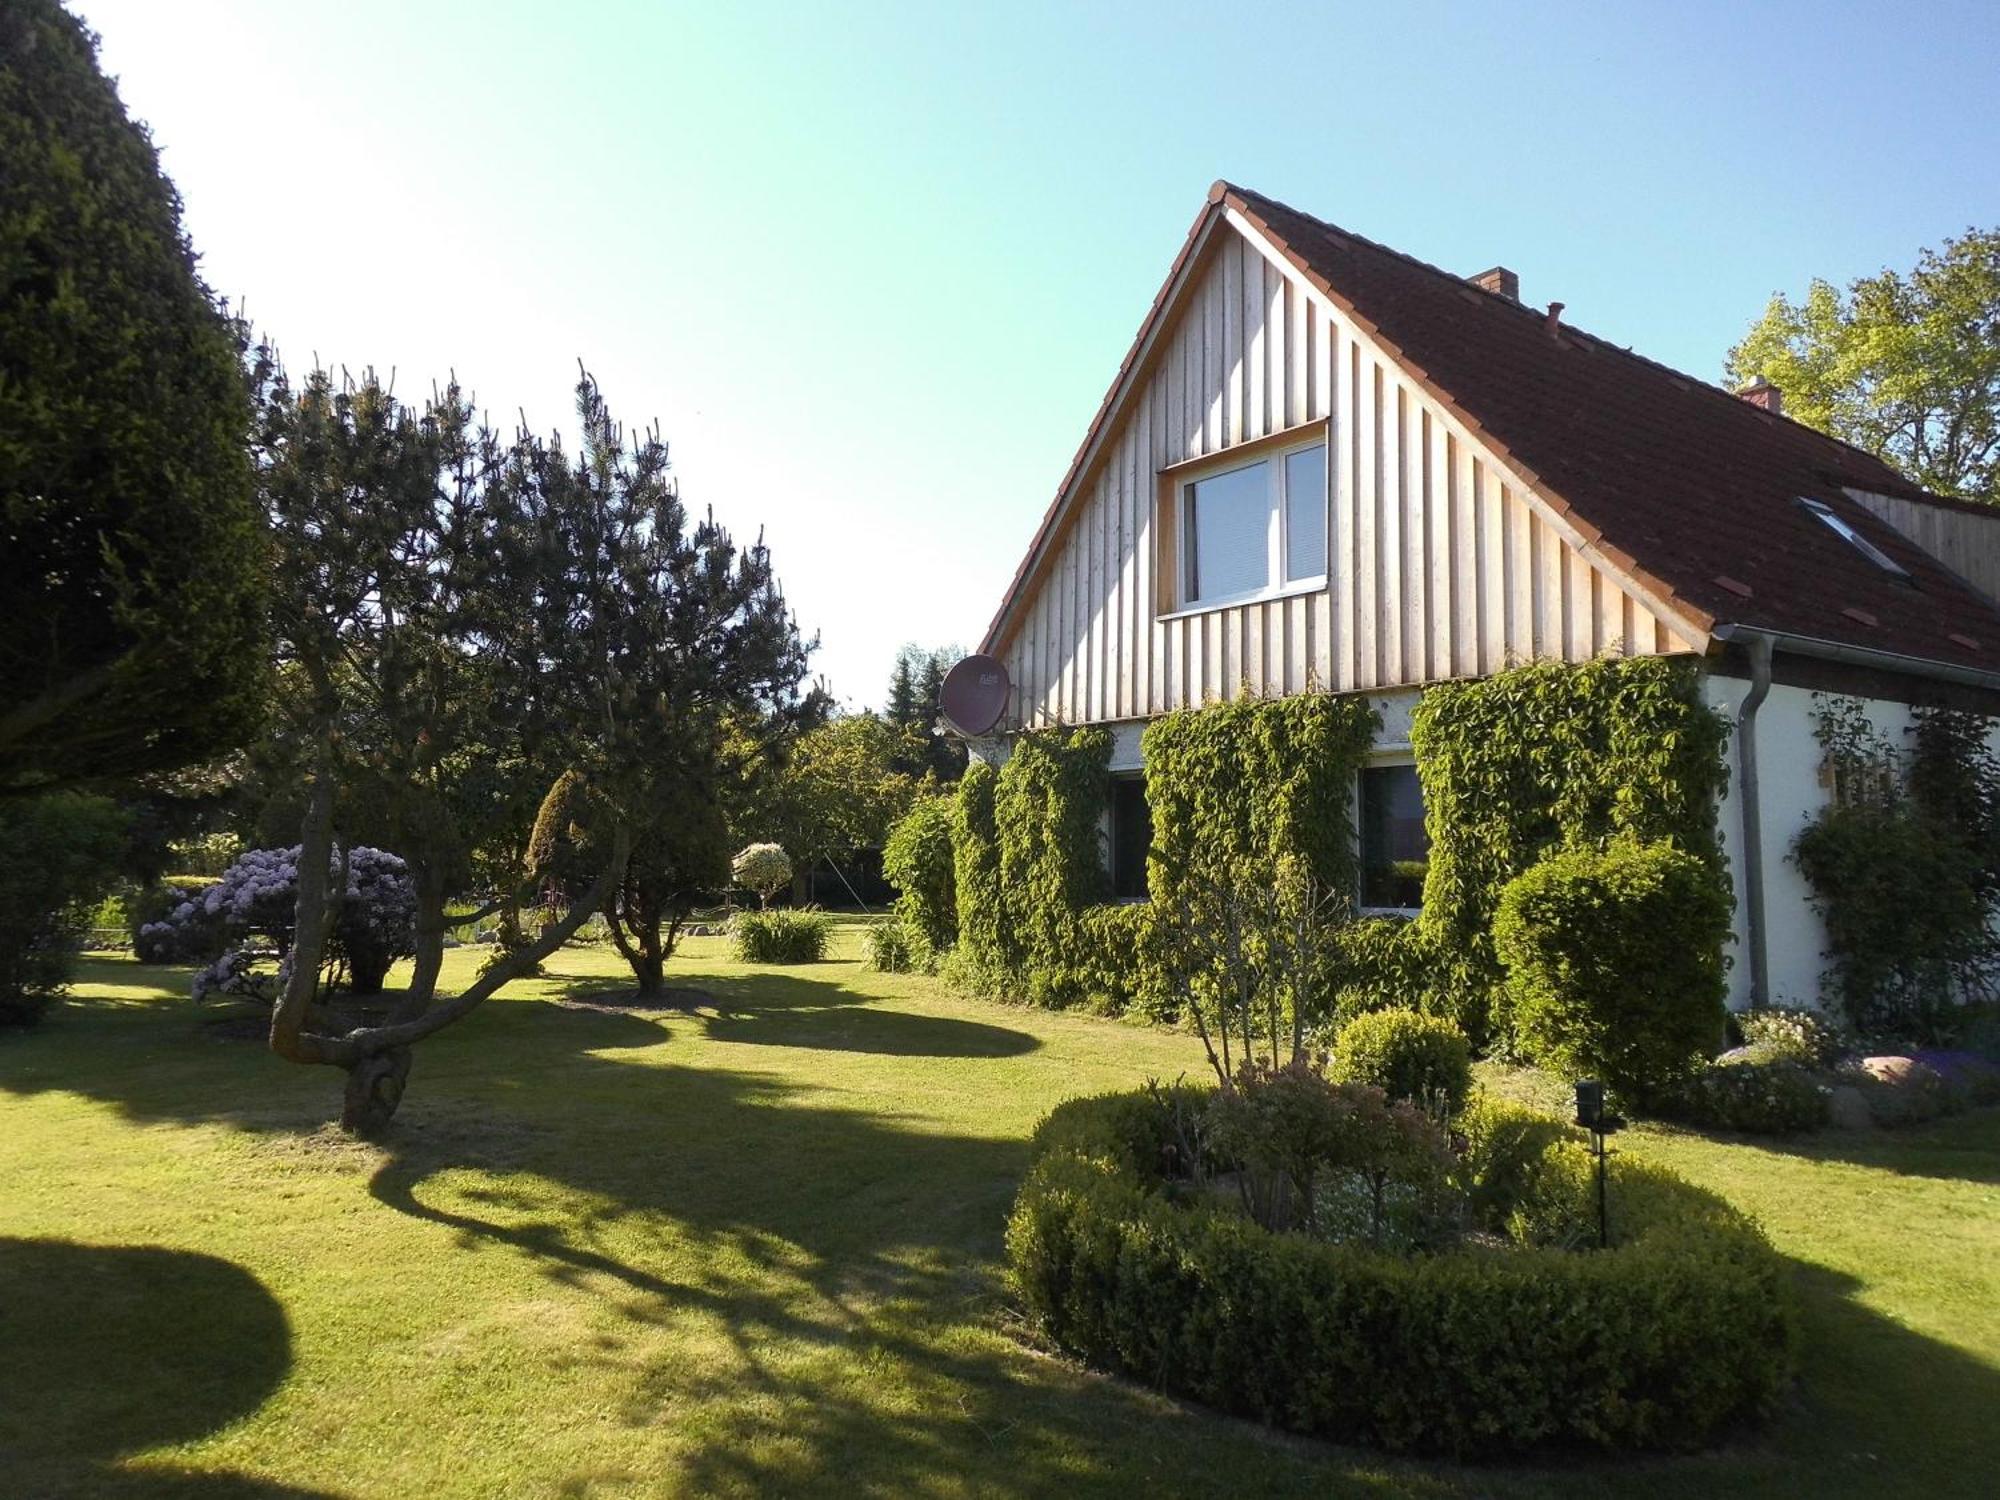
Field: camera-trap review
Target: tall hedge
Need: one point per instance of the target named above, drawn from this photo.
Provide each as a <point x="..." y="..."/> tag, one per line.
<point x="918" y="861"/>
<point x="1543" y="757"/>
<point x="130" y="541"/>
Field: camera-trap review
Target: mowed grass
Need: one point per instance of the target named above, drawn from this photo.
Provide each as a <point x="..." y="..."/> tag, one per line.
<point x="753" y="1247"/>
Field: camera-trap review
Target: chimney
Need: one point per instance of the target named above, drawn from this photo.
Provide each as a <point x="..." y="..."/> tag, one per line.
<point x="1500" y="280"/>
<point x="1762" y="394"/>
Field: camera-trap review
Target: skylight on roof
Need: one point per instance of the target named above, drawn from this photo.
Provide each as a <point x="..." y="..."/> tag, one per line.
<point x="1856" y="540"/>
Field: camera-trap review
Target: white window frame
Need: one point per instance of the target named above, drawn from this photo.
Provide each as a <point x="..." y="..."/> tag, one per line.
<point x="1277" y="586"/>
<point x="1375" y="763"/>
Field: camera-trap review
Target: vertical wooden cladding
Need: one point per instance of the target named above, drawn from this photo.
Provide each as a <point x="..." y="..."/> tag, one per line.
<point x="1440" y="567"/>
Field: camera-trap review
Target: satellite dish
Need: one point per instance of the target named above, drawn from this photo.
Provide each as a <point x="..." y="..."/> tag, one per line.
<point x="974" y="696"/>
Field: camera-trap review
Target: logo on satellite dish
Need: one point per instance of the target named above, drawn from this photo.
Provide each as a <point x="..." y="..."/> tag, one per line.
<point x="974" y="696"/>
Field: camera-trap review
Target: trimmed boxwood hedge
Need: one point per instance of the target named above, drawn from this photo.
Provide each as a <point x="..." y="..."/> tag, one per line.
<point x="1682" y="1328"/>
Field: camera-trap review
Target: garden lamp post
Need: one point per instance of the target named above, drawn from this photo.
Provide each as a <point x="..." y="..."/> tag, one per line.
<point x="1592" y="1116"/>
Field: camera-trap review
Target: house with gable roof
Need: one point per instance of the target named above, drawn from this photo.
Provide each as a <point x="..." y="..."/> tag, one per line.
<point x="1326" y="465"/>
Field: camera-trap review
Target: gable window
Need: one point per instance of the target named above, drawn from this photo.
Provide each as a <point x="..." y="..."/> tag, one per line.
<point x="1395" y="849"/>
<point x="1251" y="529"/>
<point x="1131" y="837"/>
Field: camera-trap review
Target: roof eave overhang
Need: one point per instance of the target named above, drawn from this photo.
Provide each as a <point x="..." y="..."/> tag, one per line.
<point x="1859" y="656"/>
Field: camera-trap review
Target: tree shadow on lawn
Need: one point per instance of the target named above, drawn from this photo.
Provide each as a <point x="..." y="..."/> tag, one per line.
<point x="107" y="1350"/>
<point x="792" y="1010"/>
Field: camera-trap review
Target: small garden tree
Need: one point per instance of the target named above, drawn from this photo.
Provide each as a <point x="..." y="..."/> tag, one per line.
<point x="763" y="868"/>
<point x="482" y="588"/>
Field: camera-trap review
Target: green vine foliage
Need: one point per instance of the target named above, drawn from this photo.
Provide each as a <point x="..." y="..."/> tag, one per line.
<point x="919" y="861"/>
<point x="1047" y="805"/>
<point x="1904" y="865"/>
<point x="1253" y="851"/>
<point x="1543" y="757"/>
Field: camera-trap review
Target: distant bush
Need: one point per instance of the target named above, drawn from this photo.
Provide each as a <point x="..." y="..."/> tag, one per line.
<point x="1423" y="1060"/>
<point x="58" y="856"/>
<point x="788" y="935"/>
<point x="1614" y="964"/>
<point x="890" y="949"/>
<point x="1777" y="1096"/>
<point x="1678" y="1331"/>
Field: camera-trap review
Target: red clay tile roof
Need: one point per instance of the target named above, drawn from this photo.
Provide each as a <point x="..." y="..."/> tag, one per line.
<point x="1685" y="488"/>
<point x="1680" y="481"/>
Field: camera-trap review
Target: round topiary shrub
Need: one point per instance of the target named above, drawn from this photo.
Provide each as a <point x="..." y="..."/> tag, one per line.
<point x="1682" y="1328"/>
<point x="1614" y="964"/>
<point x="763" y="868"/>
<point x="1425" y="1060"/>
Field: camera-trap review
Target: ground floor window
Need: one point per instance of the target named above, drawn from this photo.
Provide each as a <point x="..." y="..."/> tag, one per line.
<point x="1131" y="837"/>
<point x="1395" y="849"/>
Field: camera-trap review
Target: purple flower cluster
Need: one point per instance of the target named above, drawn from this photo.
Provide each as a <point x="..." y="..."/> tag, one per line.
<point x="257" y="898"/>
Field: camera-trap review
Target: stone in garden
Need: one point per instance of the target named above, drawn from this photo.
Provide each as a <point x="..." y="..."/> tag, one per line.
<point x="1847" y="1109"/>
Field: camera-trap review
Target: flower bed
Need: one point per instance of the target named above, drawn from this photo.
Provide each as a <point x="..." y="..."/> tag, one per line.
<point x="1679" y="1330"/>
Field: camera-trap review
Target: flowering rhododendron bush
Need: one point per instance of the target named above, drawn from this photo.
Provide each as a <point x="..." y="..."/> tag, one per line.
<point x="243" y="923"/>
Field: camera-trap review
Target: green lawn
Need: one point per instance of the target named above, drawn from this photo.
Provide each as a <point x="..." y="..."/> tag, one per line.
<point x="754" y="1249"/>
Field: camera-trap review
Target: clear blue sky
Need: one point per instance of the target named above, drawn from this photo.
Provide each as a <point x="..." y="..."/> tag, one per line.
<point x="871" y="268"/>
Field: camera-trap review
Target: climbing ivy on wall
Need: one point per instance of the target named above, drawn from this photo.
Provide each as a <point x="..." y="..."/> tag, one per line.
<point x="1029" y="865"/>
<point x="1904" y="865"/>
<point x="1536" y="759"/>
<point x="1541" y="757"/>
<point x="1239" y="787"/>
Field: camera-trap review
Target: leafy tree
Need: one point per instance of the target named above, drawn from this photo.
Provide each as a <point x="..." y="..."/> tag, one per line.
<point x="445" y="596"/>
<point x="840" y="791"/>
<point x="1906" y="366"/>
<point x="914" y="689"/>
<point x="131" y="559"/>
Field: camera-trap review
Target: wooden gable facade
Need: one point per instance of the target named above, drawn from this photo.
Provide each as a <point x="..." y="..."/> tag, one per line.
<point x="1443" y="560"/>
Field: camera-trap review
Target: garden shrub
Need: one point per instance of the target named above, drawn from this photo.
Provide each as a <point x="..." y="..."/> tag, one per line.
<point x="1756" y="1096"/>
<point x="1614" y="964"/>
<point x="58" y="856"/>
<point x="918" y="861"/>
<point x="1423" y="1060"/>
<point x="783" y="935"/>
<point x="1502" y="1146"/>
<point x="1301" y="1142"/>
<point x="1546" y="756"/>
<point x="1680" y="1330"/>
<point x="890" y="948"/>
<point x="249" y="914"/>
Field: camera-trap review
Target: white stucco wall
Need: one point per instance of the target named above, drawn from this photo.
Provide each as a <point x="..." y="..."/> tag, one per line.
<point x="1791" y="794"/>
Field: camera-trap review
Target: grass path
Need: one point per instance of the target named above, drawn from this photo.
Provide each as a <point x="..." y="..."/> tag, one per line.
<point x="753" y="1249"/>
